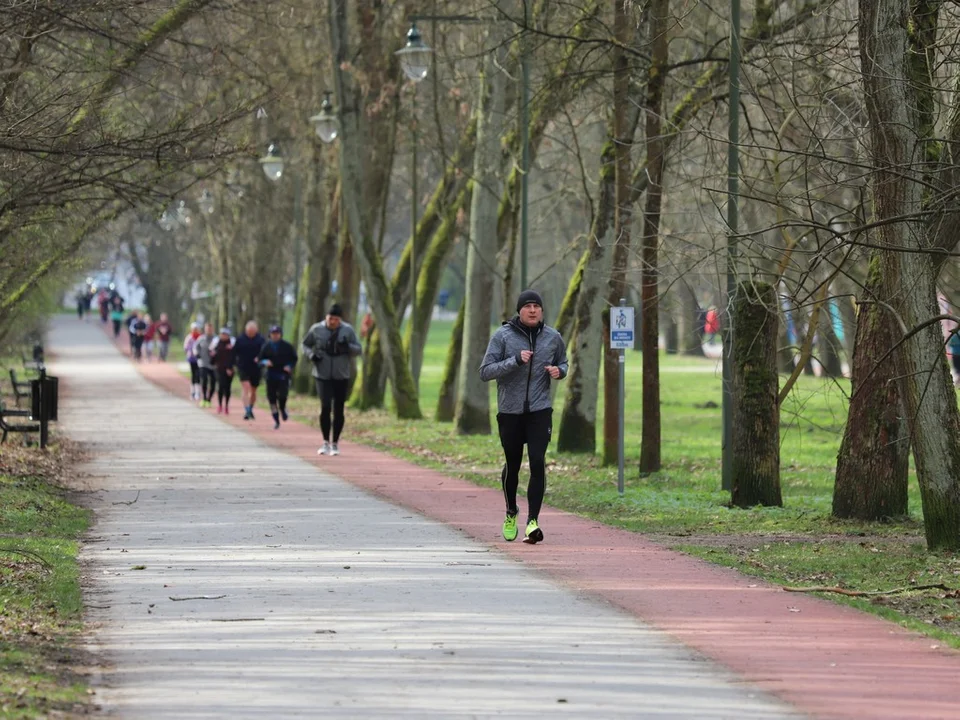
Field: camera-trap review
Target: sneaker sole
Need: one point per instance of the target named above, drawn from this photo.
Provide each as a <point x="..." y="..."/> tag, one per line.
<point x="534" y="537"/>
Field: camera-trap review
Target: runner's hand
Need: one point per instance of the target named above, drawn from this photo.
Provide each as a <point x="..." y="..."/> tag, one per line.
<point x="288" y="370"/>
<point x="525" y="356"/>
<point x="268" y="363"/>
<point x="553" y="371"/>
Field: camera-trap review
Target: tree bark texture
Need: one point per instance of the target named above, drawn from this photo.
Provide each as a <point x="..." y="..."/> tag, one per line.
<point x="473" y="395"/>
<point x="756" y="412"/>
<point x="895" y="38"/>
<point x="871" y="481"/>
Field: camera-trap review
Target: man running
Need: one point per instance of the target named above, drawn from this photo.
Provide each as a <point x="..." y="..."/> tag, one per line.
<point x="330" y="344"/>
<point x="523" y="356"/>
<point x="246" y="350"/>
<point x="278" y="359"/>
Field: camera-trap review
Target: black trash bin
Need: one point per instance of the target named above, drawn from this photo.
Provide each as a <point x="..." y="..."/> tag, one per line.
<point x="35" y="398"/>
<point x="51" y="395"/>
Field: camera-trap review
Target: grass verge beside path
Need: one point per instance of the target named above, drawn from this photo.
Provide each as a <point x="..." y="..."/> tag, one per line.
<point x="40" y="599"/>
<point x="683" y="506"/>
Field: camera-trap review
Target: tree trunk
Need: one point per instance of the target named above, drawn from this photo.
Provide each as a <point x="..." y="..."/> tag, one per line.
<point x="895" y="50"/>
<point x="691" y="327"/>
<point x="828" y="345"/>
<point x="756" y="413"/>
<point x="650" y="274"/>
<point x="871" y="481"/>
<point x="447" y="402"/>
<point x="360" y="224"/>
<point x="473" y="395"/>
<point x="578" y="422"/>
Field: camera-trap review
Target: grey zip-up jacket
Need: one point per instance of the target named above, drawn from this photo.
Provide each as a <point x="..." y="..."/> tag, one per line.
<point x="201" y="349"/>
<point x="523" y="387"/>
<point x="331" y="350"/>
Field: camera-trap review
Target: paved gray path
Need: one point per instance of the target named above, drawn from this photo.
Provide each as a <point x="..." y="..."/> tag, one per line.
<point x="336" y="604"/>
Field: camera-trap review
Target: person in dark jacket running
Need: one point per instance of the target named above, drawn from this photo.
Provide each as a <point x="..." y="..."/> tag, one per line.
<point x="246" y="350"/>
<point x="221" y="351"/>
<point x="330" y="345"/>
<point x="278" y="358"/>
<point x="523" y="356"/>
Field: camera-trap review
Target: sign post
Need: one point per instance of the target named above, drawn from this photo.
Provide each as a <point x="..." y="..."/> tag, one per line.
<point x="621" y="338"/>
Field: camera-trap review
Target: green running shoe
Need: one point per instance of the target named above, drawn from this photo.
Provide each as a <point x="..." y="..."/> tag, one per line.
<point x="534" y="533"/>
<point x="510" y="528"/>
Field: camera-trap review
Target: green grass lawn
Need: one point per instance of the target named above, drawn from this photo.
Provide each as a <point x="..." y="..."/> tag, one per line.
<point x="684" y="506"/>
<point x="40" y="600"/>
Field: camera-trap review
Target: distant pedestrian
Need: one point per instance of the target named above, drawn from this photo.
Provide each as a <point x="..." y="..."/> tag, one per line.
<point x="164" y="333"/>
<point x="278" y="358"/>
<point x="223" y="362"/>
<point x="711" y="325"/>
<point x="148" y="337"/>
<point x="189" y="349"/>
<point x="116" y="315"/>
<point x="203" y="349"/>
<point x="524" y="356"/>
<point x="246" y="350"/>
<point x="82" y="303"/>
<point x="330" y="344"/>
<point x="103" y="303"/>
<point x="138" y="328"/>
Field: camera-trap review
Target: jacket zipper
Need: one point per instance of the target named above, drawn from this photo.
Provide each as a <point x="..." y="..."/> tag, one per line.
<point x="532" y="342"/>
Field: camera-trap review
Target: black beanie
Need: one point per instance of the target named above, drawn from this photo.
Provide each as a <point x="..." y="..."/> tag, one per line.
<point x="335" y="310"/>
<point x="529" y="296"/>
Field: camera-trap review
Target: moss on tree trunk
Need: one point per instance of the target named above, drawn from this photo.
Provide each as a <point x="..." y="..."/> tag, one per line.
<point x="447" y="402"/>
<point x="756" y="413"/>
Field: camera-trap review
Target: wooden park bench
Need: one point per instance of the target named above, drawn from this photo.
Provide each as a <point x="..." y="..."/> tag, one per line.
<point x="21" y="389"/>
<point x="7" y="427"/>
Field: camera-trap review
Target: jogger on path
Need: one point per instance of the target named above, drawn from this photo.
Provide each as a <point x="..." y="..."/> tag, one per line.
<point x="278" y="359"/>
<point x="246" y="350"/>
<point x="208" y="375"/>
<point x="330" y="344"/>
<point x="223" y="361"/>
<point x="523" y="356"/>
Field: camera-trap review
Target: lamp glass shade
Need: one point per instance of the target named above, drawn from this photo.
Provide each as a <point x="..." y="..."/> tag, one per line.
<point x="415" y="56"/>
<point x="326" y="125"/>
<point x="205" y="203"/>
<point x="272" y="163"/>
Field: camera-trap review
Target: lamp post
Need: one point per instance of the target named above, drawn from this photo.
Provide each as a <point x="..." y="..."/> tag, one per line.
<point x="420" y="64"/>
<point x="415" y="61"/>
<point x="733" y="206"/>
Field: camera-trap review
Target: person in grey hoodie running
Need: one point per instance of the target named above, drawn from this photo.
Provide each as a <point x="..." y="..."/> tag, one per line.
<point x="208" y="373"/>
<point x="330" y="345"/>
<point x="524" y="356"/>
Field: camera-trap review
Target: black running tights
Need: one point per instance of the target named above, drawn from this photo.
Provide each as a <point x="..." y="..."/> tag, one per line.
<point x="208" y="381"/>
<point x="333" y="396"/>
<point x="533" y="430"/>
<point x="224" y="385"/>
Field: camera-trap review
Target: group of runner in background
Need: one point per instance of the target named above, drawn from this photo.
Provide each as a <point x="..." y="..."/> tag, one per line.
<point x="215" y="358"/>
